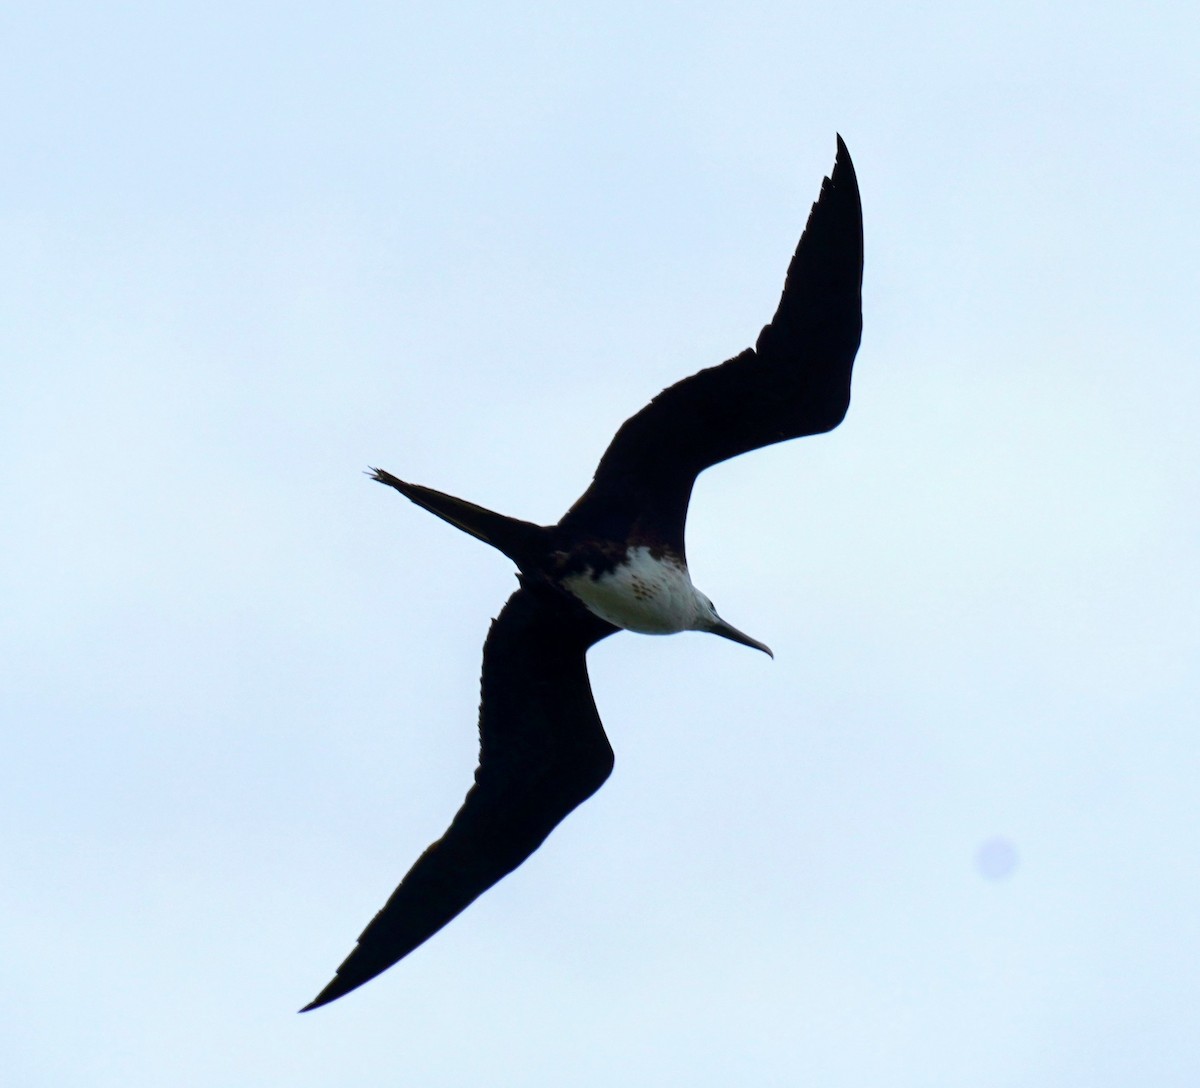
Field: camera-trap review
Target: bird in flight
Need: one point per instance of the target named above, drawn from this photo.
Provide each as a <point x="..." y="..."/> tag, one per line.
<point x="616" y="561"/>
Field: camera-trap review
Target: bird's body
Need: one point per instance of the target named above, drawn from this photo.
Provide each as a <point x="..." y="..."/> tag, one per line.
<point x="616" y="560"/>
<point x="645" y="592"/>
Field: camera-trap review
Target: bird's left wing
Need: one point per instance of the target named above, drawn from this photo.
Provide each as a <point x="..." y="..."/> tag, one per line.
<point x="543" y="751"/>
<point x="794" y="382"/>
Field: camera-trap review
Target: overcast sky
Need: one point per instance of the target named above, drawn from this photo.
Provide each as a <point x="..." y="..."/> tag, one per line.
<point x="950" y="836"/>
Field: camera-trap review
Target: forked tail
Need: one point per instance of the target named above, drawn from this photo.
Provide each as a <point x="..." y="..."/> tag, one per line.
<point x="521" y="541"/>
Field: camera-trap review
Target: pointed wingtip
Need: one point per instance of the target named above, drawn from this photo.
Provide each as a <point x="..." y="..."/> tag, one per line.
<point x="842" y="163"/>
<point x="336" y="988"/>
<point x="316" y="1002"/>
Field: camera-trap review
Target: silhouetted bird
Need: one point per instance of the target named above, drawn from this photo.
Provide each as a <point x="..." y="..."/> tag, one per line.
<point x="616" y="560"/>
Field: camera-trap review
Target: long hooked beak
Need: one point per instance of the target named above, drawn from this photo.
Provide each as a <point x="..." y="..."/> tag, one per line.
<point x="727" y="630"/>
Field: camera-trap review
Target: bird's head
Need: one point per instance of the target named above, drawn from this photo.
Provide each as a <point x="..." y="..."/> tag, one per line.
<point x="708" y="620"/>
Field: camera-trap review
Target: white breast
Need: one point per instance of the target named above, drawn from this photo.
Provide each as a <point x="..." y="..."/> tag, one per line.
<point x="652" y="596"/>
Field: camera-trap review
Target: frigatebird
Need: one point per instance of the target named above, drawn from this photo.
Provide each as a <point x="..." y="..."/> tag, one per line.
<point x="616" y="561"/>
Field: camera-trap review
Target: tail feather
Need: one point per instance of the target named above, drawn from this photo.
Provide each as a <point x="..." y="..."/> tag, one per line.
<point x="519" y="540"/>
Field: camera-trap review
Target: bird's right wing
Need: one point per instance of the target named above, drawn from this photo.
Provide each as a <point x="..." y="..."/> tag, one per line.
<point x="543" y="751"/>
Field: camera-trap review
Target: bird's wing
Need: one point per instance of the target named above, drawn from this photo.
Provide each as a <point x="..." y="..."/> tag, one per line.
<point x="795" y="382"/>
<point x="542" y="752"/>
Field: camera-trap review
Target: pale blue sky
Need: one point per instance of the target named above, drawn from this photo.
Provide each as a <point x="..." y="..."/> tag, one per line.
<point x="247" y="250"/>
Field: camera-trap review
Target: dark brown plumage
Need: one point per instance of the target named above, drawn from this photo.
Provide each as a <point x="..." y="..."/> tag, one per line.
<point x="542" y="748"/>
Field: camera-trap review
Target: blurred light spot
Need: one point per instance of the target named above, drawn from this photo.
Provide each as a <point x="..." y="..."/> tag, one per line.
<point x="996" y="858"/>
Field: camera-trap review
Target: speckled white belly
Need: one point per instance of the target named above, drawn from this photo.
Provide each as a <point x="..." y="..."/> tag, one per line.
<point x="644" y="594"/>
